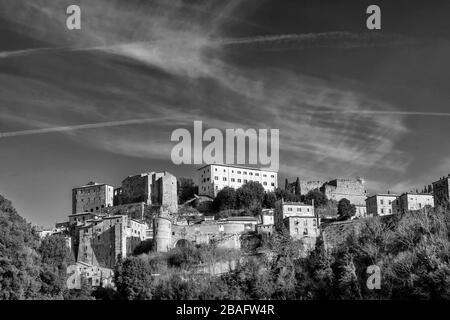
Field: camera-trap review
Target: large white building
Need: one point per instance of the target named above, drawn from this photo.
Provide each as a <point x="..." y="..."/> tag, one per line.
<point x="413" y="201"/>
<point x="382" y="204"/>
<point x="214" y="177"/>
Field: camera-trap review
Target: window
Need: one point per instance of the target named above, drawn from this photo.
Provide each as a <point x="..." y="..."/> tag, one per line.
<point x="265" y="183"/>
<point x="239" y="180"/>
<point x="264" y="175"/>
<point x="272" y="184"/>
<point x="381" y="201"/>
<point x="239" y="172"/>
<point x="382" y="210"/>
<point x="232" y="179"/>
<point x="207" y="179"/>
<point x="216" y="178"/>
<point x="251" y="173"/>
<point x="245" y="172"/>
<point x="305" y="223"/>
<point x="314" y="223"/>
<point x="257" y="174"/>
<point x="224" y="179"/>
<point x="299" y="209"/>
<point x="289" y="209"/>
<point x="245" y="180"/>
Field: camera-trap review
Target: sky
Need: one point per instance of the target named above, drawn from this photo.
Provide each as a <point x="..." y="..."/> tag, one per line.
<point x="100" y="103"/>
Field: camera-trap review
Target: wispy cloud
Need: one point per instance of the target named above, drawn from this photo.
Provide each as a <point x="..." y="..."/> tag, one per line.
<point x="169" y="63"/>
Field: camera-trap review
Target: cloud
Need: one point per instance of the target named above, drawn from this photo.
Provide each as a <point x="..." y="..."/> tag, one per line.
<point x="137" y="63"/>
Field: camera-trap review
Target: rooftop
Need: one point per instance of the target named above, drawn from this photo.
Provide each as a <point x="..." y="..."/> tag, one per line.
<point x="292" y="203"/>
<point x="92" y="184"/>
<point x="237" y="167"/>
<point x="385" y="195"/>
<point x="241" y="218"/>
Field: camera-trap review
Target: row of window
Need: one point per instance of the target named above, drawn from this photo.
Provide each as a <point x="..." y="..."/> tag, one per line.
<point x="88" y="191"/>
<point x="249" y="173"/>
<point x="299" y="209"/>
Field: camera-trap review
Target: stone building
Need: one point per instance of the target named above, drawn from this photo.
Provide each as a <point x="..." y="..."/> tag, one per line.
<point x="381" y="204"/>
<point x="299" y="220"/>
<point x="412" y="201"/>
<point x="103" y="240"/>
<point x="133" y="210"/>
<point x="95" y="275"/>
<point x="82" y="218"/>
<point x="93" y="197"/>
<point x="225" y="232"/>
<point x="441" y="191"/>
<point x="152" y="188"/>
<point x="214" y="177"/>
<point x="353" y="190"/>
<point x="307" y="186"/>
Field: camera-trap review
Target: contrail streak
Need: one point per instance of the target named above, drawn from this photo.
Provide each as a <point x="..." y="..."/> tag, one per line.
<point x="382" y="112"/>
<point x="80" y="127"/>
<point x="16" y="53"/>
<point x="332" y="39"/>
<point x="148" y="120"/>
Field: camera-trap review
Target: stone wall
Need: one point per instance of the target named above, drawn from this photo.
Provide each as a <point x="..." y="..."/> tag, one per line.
<point x="132" y="210"/>
<point x="224" y="235"/>
<point x="336" y="233"/>
<point x="102" y="242"/>
<point x="307" y="186"/>
<point x="352" y="189"/>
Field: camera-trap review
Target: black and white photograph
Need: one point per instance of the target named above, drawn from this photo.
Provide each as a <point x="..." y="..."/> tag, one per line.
<point x="225" y="150"/>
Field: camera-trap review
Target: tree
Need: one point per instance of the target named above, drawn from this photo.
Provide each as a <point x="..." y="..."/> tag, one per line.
<point x="286" y="195"/>
<point x="269" y="200"/>
<point x="319" y="198"/>
<point x="286" y="184"/>
<point x="297" y="187"/>
<point x="55" y="257"/>
<point x="19" y="259"/>
<point x="346" y="210"/>
<point x="225" y="199"/>
<point x="250" y="196"/>
<point x="186" y="189"/>
<point x="133" y="279"/>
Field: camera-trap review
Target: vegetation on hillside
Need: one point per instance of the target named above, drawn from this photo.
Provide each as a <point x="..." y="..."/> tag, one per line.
<point x="411" y="250"/>
<point x="29" y="268"/>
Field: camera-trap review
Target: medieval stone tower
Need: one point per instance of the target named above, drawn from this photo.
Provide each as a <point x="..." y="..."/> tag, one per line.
<point x="162" y="234"/>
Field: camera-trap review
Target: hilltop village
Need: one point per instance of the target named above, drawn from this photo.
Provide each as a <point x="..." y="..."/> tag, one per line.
<point x="110" y="223"/>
